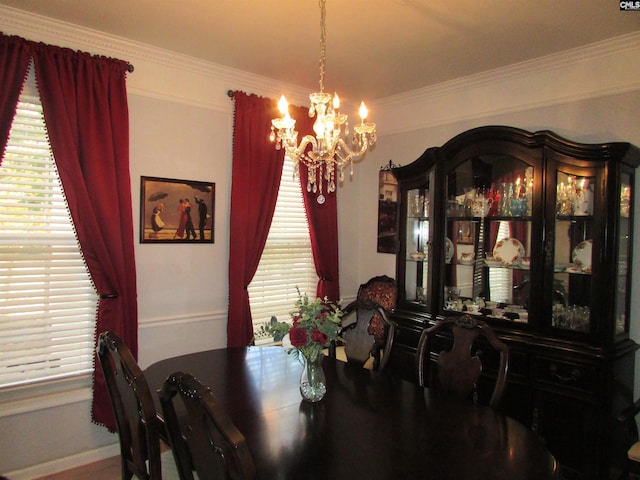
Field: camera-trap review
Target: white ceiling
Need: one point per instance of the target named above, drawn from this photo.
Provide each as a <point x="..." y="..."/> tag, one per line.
<point x="375" y="48"/>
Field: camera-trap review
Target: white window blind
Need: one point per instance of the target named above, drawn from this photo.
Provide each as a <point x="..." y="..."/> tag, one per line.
<point x="47" y="300"/>
<point x="287" y="260"/>
<point x="501" y="279"/>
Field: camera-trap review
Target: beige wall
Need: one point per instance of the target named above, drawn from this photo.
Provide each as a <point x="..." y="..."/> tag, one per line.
<point x="181" y="123"/>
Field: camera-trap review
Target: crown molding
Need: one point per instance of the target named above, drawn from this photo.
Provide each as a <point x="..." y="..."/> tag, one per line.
<point x="604" y="68"/>
<point x="158" y="73"/>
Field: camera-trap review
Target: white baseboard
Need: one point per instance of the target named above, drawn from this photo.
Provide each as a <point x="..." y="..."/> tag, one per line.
<point x="65" y="463"/>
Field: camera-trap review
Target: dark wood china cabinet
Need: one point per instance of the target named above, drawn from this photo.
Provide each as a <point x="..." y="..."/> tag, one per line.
<point x="532" y="232"/>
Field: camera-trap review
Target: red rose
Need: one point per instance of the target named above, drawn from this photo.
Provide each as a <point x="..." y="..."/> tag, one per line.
<point x="298" y="336"/>
<point x="319" y="337"/>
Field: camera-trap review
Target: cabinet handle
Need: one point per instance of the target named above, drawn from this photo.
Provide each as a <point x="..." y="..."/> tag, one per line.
<point x="535" y="419"/>
<point x="575" y="374"/>
<point x="548" y="250"/>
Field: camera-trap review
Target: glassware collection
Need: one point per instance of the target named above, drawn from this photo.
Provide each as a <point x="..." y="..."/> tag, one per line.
<point x="503" y="199"/>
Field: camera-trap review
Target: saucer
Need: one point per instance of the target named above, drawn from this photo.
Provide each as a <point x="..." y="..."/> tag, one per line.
<point x="417" y="255"/>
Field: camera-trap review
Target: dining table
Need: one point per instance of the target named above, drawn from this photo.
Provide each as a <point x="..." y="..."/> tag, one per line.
<point x="369" y="425"/>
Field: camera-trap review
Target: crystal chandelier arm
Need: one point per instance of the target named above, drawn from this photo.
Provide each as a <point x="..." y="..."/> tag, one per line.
<point x="297" y="153"/>
<point x="342" y="148"/>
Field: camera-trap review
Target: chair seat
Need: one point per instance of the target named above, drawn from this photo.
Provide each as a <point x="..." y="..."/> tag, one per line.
<point x="342" y="356"/>
<point x="634" y="452"/>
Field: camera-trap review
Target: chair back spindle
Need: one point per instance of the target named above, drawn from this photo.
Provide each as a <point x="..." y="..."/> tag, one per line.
<point x="457" y="371"/>
<point x="203" y="437"/>
<point x="135" y="414"/>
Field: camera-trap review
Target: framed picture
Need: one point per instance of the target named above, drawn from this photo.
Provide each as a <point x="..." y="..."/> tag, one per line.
<point x="465" y="232"/>
<point x="176" y="211"/>
<point x="387" y="210"/>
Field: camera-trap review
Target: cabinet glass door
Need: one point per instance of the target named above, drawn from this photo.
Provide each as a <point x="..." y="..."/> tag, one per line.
<point x="572" y="252"/>
<point x="624" y="255"/>
<point x="418" y="245"/>
<point x="488" y="237"/>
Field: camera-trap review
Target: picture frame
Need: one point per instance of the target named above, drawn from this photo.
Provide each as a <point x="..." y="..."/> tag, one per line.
<point x="387" y="210"/>
<point x="176" y="211"/>
<point x="465" y="232"/>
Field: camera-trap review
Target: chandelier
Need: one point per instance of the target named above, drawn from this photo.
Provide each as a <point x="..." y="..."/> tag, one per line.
<point x="330" y="152"/>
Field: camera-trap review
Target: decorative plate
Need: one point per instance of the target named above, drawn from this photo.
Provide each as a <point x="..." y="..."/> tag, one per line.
<point x="581" y="255"/>
<point x="448" y="250"/>
<point x="508" y="251"/>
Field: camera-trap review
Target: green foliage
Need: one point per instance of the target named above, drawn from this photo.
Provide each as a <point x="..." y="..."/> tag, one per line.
<point x="315" y="324"/>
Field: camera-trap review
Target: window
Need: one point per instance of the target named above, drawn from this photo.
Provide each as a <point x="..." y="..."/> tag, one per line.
<point x="287" y="260"/>
<point x="47" y="300"/>
<point x="501" y="279"/>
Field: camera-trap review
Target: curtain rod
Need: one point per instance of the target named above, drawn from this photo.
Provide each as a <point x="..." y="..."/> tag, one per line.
<point x="130" y="67"/>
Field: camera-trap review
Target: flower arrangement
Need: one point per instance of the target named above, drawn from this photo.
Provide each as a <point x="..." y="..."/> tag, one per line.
<point x="315" y="324"/>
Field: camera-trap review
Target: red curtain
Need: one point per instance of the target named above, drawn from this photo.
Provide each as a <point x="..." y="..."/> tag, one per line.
<point x="14" y="64"/>
<point x="255" y="181"/>
<point x="84" y="100"/>
<point x="323" y="222"/>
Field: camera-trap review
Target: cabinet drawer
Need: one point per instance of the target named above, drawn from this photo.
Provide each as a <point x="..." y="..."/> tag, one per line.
<point x="407" y="336"/>
<point x="564" y="374"/>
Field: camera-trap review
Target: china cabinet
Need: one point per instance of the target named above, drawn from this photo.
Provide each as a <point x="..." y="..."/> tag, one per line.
<point x="532" y="232"/>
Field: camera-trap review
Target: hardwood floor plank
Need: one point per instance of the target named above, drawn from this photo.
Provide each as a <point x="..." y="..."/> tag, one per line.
<point x="107" y="469"/>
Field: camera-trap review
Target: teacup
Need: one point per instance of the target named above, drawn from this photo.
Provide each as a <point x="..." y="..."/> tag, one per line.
<point x="466" y="257"/>
<point x="454" y="305"/>
<point x="473" y="308"/>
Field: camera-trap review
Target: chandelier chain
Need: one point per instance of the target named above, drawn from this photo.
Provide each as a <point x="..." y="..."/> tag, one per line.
<point x="323" y="42"/>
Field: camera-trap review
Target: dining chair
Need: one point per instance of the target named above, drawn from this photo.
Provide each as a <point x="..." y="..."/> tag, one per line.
<point x="203" y="437"/>
<point x="135" y="414"/>
<point x="383" y="291"/>
<point x="361" y="345"/>
<point x="457" y="371"/>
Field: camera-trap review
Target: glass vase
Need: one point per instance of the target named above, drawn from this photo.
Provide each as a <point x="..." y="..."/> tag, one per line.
<point x="313" y="384"/>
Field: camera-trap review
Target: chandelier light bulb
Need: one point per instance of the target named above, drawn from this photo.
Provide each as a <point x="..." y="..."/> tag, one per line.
<point x="363" y="111"/>
<point x="283" y="106"/>
<point x="330" y="151"/>
<point x="336" y="101"/>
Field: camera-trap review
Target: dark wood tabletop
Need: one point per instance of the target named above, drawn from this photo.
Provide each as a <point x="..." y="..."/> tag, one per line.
<point x="368" y="426"/>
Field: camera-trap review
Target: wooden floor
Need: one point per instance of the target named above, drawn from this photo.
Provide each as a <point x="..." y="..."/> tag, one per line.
<point x="107" y="469"/>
